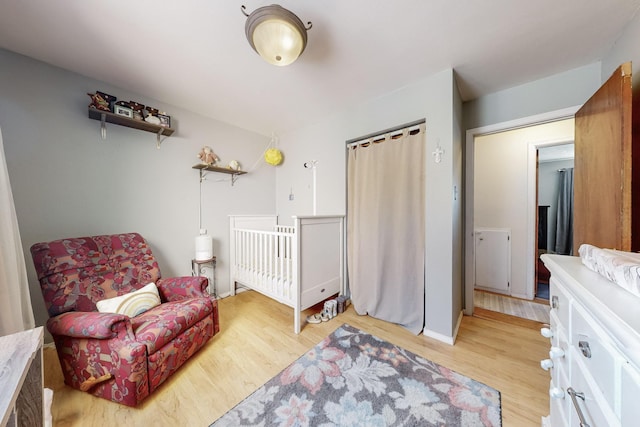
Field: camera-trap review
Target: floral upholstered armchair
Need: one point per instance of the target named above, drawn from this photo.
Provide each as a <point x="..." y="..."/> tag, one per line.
<point x="120" y="357"/>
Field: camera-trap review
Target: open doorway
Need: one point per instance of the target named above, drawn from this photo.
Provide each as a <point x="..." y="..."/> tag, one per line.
<point x="501" y="194"/>
<point x="554" y="209"/>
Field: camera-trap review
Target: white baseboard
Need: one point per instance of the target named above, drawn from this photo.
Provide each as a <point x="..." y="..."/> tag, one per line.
<point x="239" y="289"/>
<point x="522" y="296"/>
<point x="495" y="291"/>
<point x="438" y="336"/>
<point x="444" y="338"/>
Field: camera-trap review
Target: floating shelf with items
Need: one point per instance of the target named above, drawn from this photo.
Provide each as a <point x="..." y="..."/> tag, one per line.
<point x="109" y="117"/>
<point x="233" y="172"/>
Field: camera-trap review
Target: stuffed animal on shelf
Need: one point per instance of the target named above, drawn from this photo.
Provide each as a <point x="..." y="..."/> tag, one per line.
<point x="98" y="102"/>
<point x="207" y="156"/>
<point x="152" y="115"/>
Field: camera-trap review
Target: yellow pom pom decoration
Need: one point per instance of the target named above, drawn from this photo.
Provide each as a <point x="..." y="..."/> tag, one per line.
<point x="273" y="156"/>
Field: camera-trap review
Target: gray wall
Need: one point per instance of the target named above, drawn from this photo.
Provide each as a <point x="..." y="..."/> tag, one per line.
<point x="556" y="92"/>
<point x="432" y="98"/>
<point x="571" y="88"/>
<point x="497" y="110"/>
<point x="563" y="90"/>
<point x="626" y="48"/>
<point x="442" y="228"/>
<point x="68" y="182"/>
<point x="457" y="198"/>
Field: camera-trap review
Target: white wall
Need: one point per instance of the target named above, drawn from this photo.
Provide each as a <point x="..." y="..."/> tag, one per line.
<point x="430" y="98"/>
<point x="501" y="188"/>
<point x="67" y="182"/>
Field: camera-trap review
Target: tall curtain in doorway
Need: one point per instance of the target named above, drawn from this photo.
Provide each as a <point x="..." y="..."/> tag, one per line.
<point x="385" y="229"/>
<point x="564" y="218"/>
<point x="16" y="313"/>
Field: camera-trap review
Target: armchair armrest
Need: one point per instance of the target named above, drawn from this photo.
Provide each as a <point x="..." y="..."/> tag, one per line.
<point x="91" y="324"/>
<point x="178" y="288"/>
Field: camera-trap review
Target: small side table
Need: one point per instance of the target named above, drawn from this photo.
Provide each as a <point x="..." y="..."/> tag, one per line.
<point x="206" y="268"/>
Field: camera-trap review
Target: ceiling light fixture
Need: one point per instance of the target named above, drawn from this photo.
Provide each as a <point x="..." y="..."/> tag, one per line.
<point x="277" y="34"/>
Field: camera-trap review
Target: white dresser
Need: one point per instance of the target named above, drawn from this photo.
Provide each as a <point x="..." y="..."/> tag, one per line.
<point x="21" y="391"/>
<point x="594" y="355"/>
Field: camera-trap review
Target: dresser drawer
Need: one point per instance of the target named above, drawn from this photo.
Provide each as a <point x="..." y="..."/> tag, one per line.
<point x="595" y="352"/>
<point x="560" y="341"/>
<point x="559" y="300"/>
<point x="594" y="407"/>
<point x="558" y="408"/>
<point x="629" y="393"/>
<point x="555" y="324"/>
<point x="601" y="324"/>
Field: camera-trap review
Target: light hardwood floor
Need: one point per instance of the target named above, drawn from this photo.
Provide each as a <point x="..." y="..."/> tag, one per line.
<point x="533" y="310"/>
<point x="257" y="341"/>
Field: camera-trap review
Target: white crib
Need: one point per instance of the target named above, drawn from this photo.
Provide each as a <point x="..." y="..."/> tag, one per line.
<point x="298" y="265"/>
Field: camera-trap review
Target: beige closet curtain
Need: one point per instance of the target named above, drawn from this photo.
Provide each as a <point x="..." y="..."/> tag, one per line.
<point x="385" y="229"/>
<point x="15" y="303"/>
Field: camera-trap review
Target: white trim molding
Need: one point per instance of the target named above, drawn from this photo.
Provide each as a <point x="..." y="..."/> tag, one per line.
<point x="471" y="134"/>
<point x="444" y="338"/>
<point x="532" y="204"/>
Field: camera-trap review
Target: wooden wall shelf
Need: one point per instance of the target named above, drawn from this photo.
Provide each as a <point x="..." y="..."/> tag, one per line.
<point x="109" y="117"/>
<point x="234" y="173"/>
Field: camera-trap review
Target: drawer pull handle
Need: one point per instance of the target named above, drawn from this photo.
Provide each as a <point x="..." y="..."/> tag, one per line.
<point x="546" y="332"/>
<point x="584" y="347"/>
<point x="546" y="364"/>
<point x="556" y="393"/>
<point x="556" y="353"/>
<point x="574" y="394"/>
<point x="554" y="302"/>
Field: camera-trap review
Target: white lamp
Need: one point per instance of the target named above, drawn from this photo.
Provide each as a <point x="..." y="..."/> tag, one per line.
<point x="276" y="34"/>
<point x="204" y="246"/>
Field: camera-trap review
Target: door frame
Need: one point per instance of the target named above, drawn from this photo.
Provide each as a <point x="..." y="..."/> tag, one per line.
<point x="532" y="207"/>
<point x="471" y="134"/>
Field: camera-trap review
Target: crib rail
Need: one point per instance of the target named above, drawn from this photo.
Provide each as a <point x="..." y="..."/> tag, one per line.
<point x="299" y="265"/>
<point x="264" y="259"/>
<point x="284" y="228"/>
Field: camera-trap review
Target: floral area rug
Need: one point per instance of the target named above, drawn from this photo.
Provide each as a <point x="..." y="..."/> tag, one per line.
<point x="352" y="378"/>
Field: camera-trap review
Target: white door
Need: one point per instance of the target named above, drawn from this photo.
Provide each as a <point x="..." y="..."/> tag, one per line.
<point x="493" y="259"/>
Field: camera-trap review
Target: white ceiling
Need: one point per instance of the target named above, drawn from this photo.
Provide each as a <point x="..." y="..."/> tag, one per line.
<point x="194" y="54"/>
